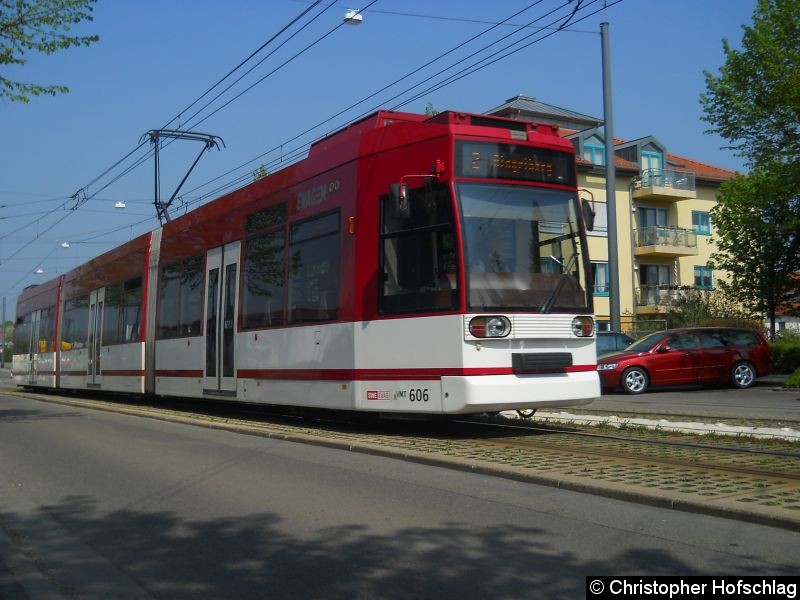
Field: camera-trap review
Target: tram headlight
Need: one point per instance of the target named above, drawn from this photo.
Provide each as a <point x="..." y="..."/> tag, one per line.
<point x="490" y="327"/>
<point x="583" y="326"/>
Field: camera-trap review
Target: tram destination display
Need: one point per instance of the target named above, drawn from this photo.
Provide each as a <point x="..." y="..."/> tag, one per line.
<point x="513" y="161"/>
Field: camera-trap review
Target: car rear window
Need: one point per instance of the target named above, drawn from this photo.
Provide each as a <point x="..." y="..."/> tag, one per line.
<point x="741" y="338"/>
<point x="711" y="340"/>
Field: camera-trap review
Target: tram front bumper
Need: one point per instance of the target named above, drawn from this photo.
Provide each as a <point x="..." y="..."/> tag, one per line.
<point x="491" y="393"/>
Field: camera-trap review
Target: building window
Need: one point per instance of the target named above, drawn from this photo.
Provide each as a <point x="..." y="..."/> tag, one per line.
<point x="652" y="162"/>
<point x="652" y="158"/>
<point x="651" y="217"/>
<point x="701" y="222"/>
<point x="600" y="278"/>
<point x="594" y="150"/>
<point x="703" y="278"/>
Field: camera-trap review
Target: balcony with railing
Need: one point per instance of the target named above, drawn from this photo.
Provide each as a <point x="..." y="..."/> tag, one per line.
<point x="663" y="241"/>
<point x="659" y="298"/>
<point x="664" y="184"/>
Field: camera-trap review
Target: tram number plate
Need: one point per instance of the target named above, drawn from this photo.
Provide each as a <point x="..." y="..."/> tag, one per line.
<point x="418" y="395"/>
<point x="412" y="395"/>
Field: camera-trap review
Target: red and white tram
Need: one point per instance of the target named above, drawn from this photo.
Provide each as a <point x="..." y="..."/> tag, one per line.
<point x="410" y="264"/>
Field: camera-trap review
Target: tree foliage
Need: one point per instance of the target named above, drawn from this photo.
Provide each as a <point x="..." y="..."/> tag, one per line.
<point x="755" y="100"/>
<point x="758" y="242"/>
<point x="702" y="308"/>
<point x="755" y="104"/>
<point x="38" y="26"/>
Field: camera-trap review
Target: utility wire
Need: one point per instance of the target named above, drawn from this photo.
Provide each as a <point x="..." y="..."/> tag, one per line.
<point x="80" y="201"/>
<point x="203" y="95"/>
<point x="451" y="19"/>
<point x="298" y="152"/>
<point x="370" y="96"/>
<point x="477" y="66"/>
<point x="149" y="153"/>
<point x="395" y="97"/>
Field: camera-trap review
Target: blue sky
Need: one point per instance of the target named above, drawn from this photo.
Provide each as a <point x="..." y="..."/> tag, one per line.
<point x="155" y="57"/>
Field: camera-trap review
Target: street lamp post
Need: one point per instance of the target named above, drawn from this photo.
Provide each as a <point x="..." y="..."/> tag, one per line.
<point x="611" y="184"/>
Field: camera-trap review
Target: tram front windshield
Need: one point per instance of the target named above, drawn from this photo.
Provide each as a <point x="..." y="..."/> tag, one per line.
<point x="522" y="248"/>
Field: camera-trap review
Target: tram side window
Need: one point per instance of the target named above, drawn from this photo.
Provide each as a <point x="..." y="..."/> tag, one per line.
<point x="180" y="298"/>
<point x="122" y="312"/>
<point x="169" y="298"/>
<point x="111" y="309"/>
<point x="22" y="335"/>
<point x="419" y="253"/>
<point x="314" y="269"/>
<point x="76" y="323"/>
<point x="46" y="341"/>
<point x="131" y="310"/>
<point x="264" y="275"/>
<point x="191" y="296"/>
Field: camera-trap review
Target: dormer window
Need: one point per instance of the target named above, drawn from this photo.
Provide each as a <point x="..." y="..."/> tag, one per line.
<point x="652" y="159"/>
<point x="594" y="150"/>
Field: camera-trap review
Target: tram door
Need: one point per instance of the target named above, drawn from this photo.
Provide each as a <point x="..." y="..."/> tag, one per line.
<point x="36" y="322"/>
<point x="221" y="316"/>
<point x="96" y="300"/>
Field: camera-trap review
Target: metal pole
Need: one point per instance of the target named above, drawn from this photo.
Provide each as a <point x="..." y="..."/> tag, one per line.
<point x="611" y="184"/>
<point x="3" y="334"/>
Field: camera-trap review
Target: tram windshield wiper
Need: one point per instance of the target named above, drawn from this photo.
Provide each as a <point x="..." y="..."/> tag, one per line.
<point x="565" y="276"/>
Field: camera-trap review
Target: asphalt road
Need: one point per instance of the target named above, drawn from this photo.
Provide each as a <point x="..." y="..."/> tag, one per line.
<point x="98" y="505"/>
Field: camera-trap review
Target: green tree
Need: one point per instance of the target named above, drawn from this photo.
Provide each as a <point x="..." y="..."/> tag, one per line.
<point x="758" y="224"/>
<point x="702" y="308"/>
<point x="755" y="101"/>
<point x="38" y="26"/>
<point x="430" y="110"/>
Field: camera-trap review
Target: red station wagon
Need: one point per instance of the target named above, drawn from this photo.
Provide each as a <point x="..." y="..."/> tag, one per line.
<point x="707" y="355"/>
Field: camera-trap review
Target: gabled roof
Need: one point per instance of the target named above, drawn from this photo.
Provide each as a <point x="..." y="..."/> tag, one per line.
<point x="527" y="108"/>
<point x="619" y="163"/>
<point x="642" y="141"/>
<point x="700" y="169"/>
<point x="573" y="124"/>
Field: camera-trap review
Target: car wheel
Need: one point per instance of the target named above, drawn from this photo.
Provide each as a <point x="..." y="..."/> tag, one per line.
<point x="743" y="375"/>
<point x="634" y="380"/>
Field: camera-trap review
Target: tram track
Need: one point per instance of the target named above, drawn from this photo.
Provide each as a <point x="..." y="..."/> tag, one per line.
<point x="739" y="455"/>
<point x="605" y="436"/>
<point x="629" y="448"/>
<point x="746" y="479"/>
<point x="682" y="417"/>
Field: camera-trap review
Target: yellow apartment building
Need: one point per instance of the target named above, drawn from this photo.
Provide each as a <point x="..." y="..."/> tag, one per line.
<point x="663" y="203"/>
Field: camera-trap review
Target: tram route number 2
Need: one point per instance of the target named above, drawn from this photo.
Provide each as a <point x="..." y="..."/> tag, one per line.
<point x="412" y="395"/>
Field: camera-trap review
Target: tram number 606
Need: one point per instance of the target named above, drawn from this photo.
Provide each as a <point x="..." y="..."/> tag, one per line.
<point x="418" y="395"/>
